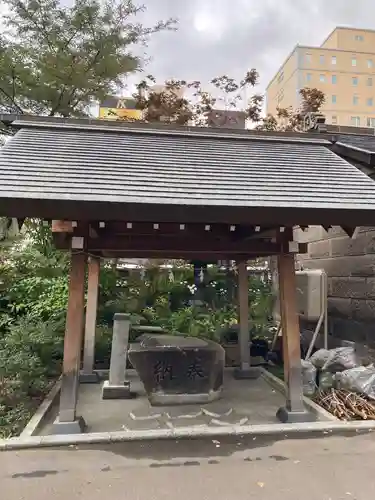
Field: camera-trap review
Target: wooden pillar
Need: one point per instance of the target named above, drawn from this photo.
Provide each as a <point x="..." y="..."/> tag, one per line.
<point x="243" y="300"/>
<point x="294" y="410"/>
<point x="67" y="421"/>
<point x="245" y="370"/>
<point x="88" y="375"/>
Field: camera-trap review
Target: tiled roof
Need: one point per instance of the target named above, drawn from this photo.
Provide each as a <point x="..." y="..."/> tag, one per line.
<point x="52" y="161"/>
<point x="361" y="142"/>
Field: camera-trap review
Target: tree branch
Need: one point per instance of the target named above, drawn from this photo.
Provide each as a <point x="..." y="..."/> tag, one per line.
<point x="11" y="100"/>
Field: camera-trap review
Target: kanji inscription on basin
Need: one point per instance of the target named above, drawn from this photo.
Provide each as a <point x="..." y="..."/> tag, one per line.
<point x="176" y="369"/>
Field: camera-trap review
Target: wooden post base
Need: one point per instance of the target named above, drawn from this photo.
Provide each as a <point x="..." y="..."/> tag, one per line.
<point x="116" y="391"/>
<point x="250" y="373"/>
<point x="294" y="417"/>
<point x="77" y="426"/>
<point x="89" y="378"/>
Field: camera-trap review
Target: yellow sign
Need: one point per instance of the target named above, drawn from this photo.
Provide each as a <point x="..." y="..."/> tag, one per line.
<point x="119" y="114"/>
<point x="115" y="108"/>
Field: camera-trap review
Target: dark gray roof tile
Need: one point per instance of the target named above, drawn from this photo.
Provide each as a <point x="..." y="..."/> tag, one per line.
<point x="156" y="167"/>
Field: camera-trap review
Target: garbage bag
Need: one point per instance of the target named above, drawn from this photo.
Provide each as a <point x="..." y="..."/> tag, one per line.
<point x="340" y="359"/>
<point x="319" y="358"/>
<point x="360" y="379"/>
<point x="308" y="378"/>
<point x="326" y="381"/>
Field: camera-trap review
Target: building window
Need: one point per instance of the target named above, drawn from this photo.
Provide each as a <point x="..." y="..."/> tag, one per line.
<point x="354" y="61"/>
<point x="370" y="63"/>
<point x="308" y="77"/>
<point x="334" y="99"/>
<point x="334" y="120"/>
<point x="321" y="59"/>
<point x="358" y="38"/>
<point x="322" y="78"/>
<point x="371" y="122"/>
<point x="355" y="100"/>
<point x="334" y="60"/>
<point x="308" y="58"/>
<point x="334" y="79"/>
<point x="355" y="121"/>
<point x="369" y="82"/>
<point x="370" y="101"/>
<point x="355" y="81"/>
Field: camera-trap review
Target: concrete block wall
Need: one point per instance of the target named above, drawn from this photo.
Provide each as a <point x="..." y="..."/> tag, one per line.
<point x="350" y="266"/>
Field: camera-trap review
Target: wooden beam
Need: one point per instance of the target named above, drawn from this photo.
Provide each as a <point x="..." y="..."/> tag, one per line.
<point x="181" y="244"/>
<point x="194" y="230"/>
<point x="73" y="340"/>
<point x="62" y="226"/>
<point x="207" y="256"/>
<point x="268" y="232"/>
<point x="91" y="313"/>
<point x="291" y="337"/>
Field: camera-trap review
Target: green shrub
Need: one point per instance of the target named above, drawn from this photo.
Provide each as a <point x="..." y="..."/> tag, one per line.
<point x="38" y="297"/>
<point x="103" y="343"/>
<point x="30" y="356"/>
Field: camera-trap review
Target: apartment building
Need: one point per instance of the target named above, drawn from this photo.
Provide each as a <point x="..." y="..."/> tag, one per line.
<point x="343" y="67"/>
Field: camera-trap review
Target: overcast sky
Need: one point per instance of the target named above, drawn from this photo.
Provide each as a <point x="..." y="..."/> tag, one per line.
<point x="228" y="37"/>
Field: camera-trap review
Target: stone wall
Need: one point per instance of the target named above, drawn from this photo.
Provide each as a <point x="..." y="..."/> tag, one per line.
<point x="350" y="266"/>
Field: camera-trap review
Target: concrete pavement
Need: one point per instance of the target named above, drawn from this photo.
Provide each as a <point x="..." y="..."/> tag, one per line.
<point x="336" y="468"/>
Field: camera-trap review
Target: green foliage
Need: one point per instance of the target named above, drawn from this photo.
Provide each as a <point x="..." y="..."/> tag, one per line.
<point x="30" y="355"/>
<point x="38" y="297"/>
<point x="33" y="295"/>
<point x="34" y="279"/>
<point x="164" y="298"/>
<point x="288" y="119"/>
<point x="57" y="60"/>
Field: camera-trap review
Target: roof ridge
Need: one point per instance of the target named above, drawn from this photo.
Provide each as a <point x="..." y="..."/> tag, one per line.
<point x="149" y="129"/>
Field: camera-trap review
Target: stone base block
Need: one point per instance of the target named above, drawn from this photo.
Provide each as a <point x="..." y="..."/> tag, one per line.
<point x="76" y="427"/>
<point x="89" y="378"/>
<point x="116" y="391"/>
<point x="246" y="374"/>
<point x="163" y="399"/>
<point x="294" y="417"/>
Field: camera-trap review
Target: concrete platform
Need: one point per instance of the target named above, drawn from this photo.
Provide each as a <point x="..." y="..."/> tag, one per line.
<point x="243" y="402"/>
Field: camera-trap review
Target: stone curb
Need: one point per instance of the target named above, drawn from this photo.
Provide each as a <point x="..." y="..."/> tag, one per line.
<point x="312" y="406"/>
<point x="37" y="419"/>
<point x="331" y="425"/>
<point x="284" y="430"/>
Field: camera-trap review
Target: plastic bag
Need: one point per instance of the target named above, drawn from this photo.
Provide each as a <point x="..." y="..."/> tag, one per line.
<point x="319" y="358"/>
<point x="340" y="359"/>
<point x="360" y="379"/>
<point x="326" y="381"/>
<point x="308" y="378"/>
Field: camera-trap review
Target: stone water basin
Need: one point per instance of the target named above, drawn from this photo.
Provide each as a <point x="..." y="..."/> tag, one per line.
<point x="178" y="370"/>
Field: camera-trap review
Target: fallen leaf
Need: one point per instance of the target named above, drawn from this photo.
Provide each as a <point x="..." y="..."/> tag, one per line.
<point x="297" y="461"/>
<point x="261" y="485"/>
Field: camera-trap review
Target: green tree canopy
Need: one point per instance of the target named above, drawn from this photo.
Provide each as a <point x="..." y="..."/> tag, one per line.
<point x="56" y="60"/>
